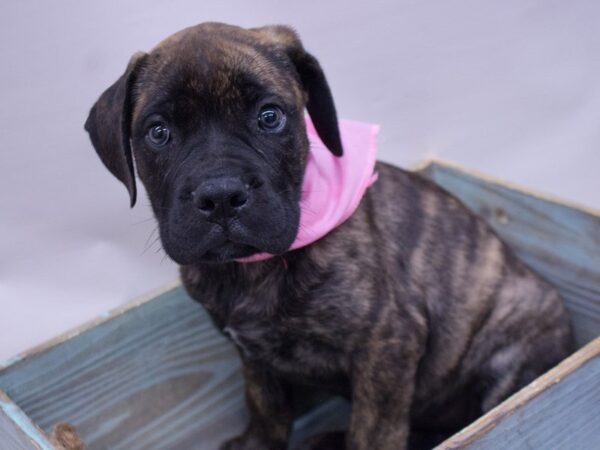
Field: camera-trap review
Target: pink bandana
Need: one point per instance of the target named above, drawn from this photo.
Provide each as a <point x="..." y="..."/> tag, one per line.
<point x="333" y="186"/>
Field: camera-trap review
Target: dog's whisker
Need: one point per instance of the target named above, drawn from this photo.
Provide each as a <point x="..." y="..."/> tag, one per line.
<point x="308" y="210"/>
<point x="157" y="240"/>
<point x="143" y="221"/>
<point x="149" y="242"/>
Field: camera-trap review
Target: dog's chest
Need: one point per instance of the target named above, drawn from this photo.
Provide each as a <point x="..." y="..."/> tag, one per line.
<point x="294" y="331"/>
<point x="291" y="346"/>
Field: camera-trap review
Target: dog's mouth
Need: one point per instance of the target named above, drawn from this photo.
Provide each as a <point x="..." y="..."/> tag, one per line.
<point x="203" y="242"/>
<point x="229" y="250"/>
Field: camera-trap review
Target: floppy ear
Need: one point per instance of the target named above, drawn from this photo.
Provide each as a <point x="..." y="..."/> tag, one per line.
<point x="109" y="126"/>
<point x="320" y="104"/>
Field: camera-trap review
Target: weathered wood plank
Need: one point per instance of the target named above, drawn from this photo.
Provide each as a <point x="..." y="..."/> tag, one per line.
<point x="156" y="376"/>
<point x="559" y="410"/>
<point x="559" y="242"/>
<point x="17" y="432"/>
<point x="70" y="334"/>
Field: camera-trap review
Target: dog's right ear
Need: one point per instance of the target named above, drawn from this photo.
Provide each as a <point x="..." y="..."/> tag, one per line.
<point x="320" y="105"/>
<point x="109" y="126"/>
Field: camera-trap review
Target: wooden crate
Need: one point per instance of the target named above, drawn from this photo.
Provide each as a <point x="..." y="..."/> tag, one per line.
<point x="155" y="374"/>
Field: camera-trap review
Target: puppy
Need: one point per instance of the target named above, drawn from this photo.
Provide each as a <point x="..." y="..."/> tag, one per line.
<point x="412" y="308"/>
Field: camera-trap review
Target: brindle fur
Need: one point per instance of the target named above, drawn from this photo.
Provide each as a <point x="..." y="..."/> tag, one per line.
<point x="413" y="308"/>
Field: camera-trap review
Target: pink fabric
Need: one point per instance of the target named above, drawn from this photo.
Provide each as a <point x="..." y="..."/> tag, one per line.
<point x="333" y="186"/>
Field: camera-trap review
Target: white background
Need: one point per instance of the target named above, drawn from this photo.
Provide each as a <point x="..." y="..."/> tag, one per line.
<point x="511" y="88"/>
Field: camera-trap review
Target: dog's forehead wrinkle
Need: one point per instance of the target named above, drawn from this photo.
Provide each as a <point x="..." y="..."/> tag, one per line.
<point x="222" y="62"/>
<point x="218" y="83"/>
<point x="222" y="99"/>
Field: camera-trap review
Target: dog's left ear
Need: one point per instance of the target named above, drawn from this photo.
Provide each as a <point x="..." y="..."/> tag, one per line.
<point x="320" y="104"/>
<point x="109" y="126"/>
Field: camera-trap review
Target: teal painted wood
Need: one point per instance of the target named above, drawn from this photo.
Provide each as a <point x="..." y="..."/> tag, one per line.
<point x="157" y="376"/>
<point x="12" y="437"/>
<point x="16" y="430"/>
<point x="564" y="417"/>
<point x="560" y="410"/>
<point x="559" y="242"/>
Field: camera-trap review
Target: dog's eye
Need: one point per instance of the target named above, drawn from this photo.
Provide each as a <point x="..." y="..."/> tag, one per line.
<point x="158" y="135"/>
<point x="271" y="118"/>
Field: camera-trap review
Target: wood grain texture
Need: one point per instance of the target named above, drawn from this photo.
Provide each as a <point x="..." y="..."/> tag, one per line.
<point x="559" y="410"/>
<point x="109" y="315"/>
<point x="559" y="242"/>
<point x="17" y="432"/>
<point x="156" y="376"/>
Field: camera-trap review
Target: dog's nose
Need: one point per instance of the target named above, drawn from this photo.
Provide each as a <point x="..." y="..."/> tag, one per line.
<point x="221" y="197"/>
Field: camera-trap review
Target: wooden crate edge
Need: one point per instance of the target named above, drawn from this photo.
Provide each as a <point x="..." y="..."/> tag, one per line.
<point x="487" y="422"/>
<point x="11" y="411"/>
<point x="427" y="164"/>
<point x="105" y="317"/>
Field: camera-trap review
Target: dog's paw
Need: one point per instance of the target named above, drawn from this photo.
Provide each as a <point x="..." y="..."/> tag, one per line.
<point x="250" y="442"/>
<point x="333" y="440"/>
<point x="234" y="444"/>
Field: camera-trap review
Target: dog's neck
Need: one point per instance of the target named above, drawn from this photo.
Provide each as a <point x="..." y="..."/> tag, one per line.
<point x="333" y="186"/>
<point x="233" y="282"/>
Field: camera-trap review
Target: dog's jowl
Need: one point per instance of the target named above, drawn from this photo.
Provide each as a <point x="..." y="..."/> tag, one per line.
<point x="412" y="307"/>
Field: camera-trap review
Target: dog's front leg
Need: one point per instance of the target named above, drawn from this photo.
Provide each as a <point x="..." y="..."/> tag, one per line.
<point x="268" y="400"/>
<point x="383" y="383"/>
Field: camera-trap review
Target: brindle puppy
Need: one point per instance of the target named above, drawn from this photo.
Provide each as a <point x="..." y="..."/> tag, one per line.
<point x="413" y="308"/>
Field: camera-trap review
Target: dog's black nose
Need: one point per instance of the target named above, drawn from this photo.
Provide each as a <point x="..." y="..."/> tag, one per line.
<point x="221" y="197"/>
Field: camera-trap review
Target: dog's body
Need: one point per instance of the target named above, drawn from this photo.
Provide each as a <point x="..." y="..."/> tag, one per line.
<point x="412" y="308"/>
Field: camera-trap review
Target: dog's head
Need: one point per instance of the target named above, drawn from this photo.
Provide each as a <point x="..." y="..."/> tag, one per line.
<point x="214" y="118"/>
